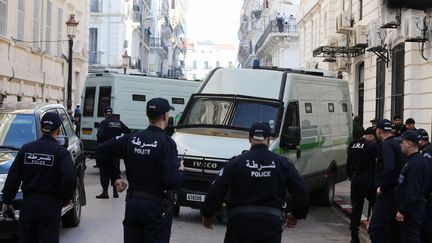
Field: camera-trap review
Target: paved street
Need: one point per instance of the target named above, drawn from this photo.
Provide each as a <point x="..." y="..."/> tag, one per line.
<point x="101" y="222"/>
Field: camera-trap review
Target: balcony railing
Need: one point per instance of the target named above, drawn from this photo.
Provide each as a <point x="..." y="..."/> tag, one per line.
<point x="94" y="57"/>
<point x="276" y="27"/>
<point x="157" y="42"/>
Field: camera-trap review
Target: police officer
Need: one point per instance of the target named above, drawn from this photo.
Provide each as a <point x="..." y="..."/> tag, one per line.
<point x="77" y="119"/>
<point x="109" y="128"/>
<point x="256" y="183"/>
<point x="397" y="125"/>
<point x="47" y="176"/>
<point x="425" y="146"/>
<point x="152" y="168"/>
<point x="362" y="154"/>
<point x="383" y="226"/>
<point x="427" y="223"/>
<point x="411" y="188"/>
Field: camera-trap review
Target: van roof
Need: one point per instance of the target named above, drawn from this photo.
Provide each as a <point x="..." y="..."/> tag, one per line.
<point x="131" y="76"/>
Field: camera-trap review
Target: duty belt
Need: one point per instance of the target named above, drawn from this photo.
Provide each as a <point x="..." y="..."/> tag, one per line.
<point x="256" y="209"/>
<point x="145" y="195"/>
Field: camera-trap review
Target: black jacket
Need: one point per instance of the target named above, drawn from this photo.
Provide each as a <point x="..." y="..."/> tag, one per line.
<point x="361" y="157"/>
<point x="258" y="177"/>
<point x="150" y="157"/>
<point x="109" y="128"/>
<point x="43" y="167"/>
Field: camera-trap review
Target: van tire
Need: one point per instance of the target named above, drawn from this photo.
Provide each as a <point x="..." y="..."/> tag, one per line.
<point x="325" y="195"/>
<point x="72" y="217"/>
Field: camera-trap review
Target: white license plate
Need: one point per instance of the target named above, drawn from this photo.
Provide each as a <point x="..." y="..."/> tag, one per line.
<point x="195" y="197"/>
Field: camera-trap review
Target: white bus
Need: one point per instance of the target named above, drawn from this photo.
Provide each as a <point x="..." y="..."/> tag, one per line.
<point x="310" y="115"/>
<point x="127" y="96"/>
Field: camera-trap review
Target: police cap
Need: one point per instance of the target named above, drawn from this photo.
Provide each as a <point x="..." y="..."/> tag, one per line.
<point x="411" y="135"/>
<point x="385" y="125"/>
<point x="50" y="121"/>
<point x="260" y="131"/>
<point x="108" y="110"/>
<point x="370" y="131"/>
<point x="424" y="134"/>
<point x="158" y="106"/>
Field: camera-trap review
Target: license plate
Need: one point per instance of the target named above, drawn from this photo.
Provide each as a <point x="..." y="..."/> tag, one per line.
<point x="86" y="131"/>
<point x="195" y="197"/>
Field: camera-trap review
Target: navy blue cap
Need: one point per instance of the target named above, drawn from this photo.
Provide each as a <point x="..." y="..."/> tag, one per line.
<point x="50" y="121"/>
<point x="158" y="106"/>
<point x="424" y="134"/>
<point x="108" y="110"/>
<point x="411" y="135"/>
<point x="374" y="120"/>
<point x="260" y="131"/>
<point x="385" y="125"/>
<point x="370" y="131"/>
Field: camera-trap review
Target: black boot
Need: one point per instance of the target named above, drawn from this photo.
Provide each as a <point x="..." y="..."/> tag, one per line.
<point x="115" y="193"/>
<point x="103" y="195"/>
<point x="355" y="239"/>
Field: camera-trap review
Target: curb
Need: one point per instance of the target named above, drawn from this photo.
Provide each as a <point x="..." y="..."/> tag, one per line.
<point x="347" y="210"/>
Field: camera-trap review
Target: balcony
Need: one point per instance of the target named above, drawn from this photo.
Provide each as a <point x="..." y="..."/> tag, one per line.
<point x="275" y="32"/>
<point x="94" y="57"/>
<point x="158" y="43"/>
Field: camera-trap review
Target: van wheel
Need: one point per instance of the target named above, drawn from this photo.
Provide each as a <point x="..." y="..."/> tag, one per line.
<point x="73" y="216"/>
<point x="176" y="210"/>
<point x="325" y="196"/>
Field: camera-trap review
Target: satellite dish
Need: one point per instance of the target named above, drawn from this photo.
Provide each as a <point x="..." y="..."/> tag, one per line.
<point x="77" y="47"/>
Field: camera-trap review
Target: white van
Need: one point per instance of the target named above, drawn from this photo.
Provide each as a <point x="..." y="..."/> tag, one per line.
<point x="310" y="115"/>
<point x="127" y="95"/>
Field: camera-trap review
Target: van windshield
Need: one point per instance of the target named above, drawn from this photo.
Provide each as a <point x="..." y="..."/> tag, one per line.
<point x="231" y="112"/>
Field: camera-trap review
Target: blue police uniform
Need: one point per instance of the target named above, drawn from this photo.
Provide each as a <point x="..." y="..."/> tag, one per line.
<point x="383" y="226"/>
<point x="427" y="223"/>
<point x="151" y="162"/>
<point x="109" y="128"/>
<point x="255" y="185"/>
<point x="48" y="176"/>
<point x="360" y="169"/>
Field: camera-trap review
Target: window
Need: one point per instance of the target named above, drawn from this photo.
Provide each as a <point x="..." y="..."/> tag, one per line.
<point x="194" y="64"/>
<point x="94" y="6"/>
<point x="36" y="23"/>
<point x="48" y="27"/>
<point x="398" y="77"/>
<point x="3" y="17"/>
<point x="344" y="107"/>
<point x="330" y="107"/>
<point x="137" y="97"/>
<point x="308" y="107"/>
<point x="104" y="100"/>
<point x="67" y="126"/>
<point x="380" y="88"/>
<point x="217" y="64"/>
<point x="20" y="22"/>
<point x="360" y="2"/>
<point x="292" y="115"/>
<point x="360" y="105"/>
<point x="93" y="39"/>
<point x="178" y="101"/>
<point x="59" y="31"/>
<point x="21" y="129"/>
<point x="206" y="65"/>
<point x="89" y="100"/>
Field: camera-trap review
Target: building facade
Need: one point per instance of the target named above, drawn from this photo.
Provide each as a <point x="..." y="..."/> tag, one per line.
<point x="268" y="34"/>
<point x="202" y="57"/>
<point x="116" y="28"/>
<point x="34" y="49"/>
<point x="383" y="52"/>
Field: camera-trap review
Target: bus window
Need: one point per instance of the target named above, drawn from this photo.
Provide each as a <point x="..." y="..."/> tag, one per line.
<point x="89" y="100"/>
<point x="178" y="101"/>
<point x="104" y="100"/>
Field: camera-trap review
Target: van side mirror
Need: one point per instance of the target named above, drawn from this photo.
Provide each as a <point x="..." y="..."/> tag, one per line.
<point x="63" y="140"/>
<point x="291" y="138"/>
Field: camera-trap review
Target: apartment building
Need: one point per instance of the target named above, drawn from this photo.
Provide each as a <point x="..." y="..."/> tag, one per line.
<point x="203" y="56"/>
<point x="268" y="34"/>
<point x="34" y="49"/>
<point x="383" y="52"/>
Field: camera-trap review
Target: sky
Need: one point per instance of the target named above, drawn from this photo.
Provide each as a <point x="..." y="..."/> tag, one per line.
<point x="214" y="20"/>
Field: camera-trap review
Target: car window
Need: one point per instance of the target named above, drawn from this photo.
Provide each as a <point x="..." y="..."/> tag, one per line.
<point x="67" y="126"/>
<point x="17" y="129"/>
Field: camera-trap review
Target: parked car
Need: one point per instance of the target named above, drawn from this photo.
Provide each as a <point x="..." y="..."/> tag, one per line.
<point x="20" y="124"/>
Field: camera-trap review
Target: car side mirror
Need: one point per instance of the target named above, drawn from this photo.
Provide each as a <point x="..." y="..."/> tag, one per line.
<point x="63" y="140"/>
<point x="291" y="138"/>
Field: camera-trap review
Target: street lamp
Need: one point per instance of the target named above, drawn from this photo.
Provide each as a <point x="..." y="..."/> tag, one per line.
<point x="71" y="28"/>
<point x="125" y="57"/>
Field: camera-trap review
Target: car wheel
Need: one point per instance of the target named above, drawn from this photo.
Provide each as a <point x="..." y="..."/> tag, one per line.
<point x="73" y="216"/>
<point x="325" y="196"/>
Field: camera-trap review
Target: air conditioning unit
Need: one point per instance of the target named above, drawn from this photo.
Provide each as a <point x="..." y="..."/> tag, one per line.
<point x="343" y="22"/>
<point x="332" y="41"/>
<point x="376" y="35"/>
<point x="342" y="64"/>
<point x="390" y="17"/>
<point x="414" y="29"/>
<point x="360" y="36"/>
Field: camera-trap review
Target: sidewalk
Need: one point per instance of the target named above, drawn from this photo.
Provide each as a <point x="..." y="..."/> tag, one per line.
<point x="342" y="201"/>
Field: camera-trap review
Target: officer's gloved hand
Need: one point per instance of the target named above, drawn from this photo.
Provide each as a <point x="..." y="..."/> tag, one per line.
<point x="8" y="211"/>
